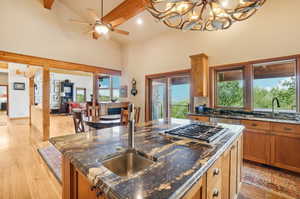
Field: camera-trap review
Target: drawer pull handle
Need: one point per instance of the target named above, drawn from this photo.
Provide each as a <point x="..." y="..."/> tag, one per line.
<point x="216" y="172"/>
<point x="216" y="193"/>
<point x="254" y="124"/>
<point x="287" y="129"/>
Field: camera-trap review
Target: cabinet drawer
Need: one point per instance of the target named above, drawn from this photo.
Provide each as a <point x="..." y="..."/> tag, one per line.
<point x="260" y="125"/>
<point x="199" y="118"/>
<point x="214" y="180"/>
<point x="285" y="128"/>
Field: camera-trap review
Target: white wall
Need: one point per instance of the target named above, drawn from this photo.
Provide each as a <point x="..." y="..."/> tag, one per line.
<point x="18" y="99"/>
<point x="28" y="28"/>
<point x="272" y="32"/>
<point x="79" y="82"/>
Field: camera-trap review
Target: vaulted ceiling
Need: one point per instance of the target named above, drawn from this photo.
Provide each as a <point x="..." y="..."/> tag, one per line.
<point x="138" y="32"/>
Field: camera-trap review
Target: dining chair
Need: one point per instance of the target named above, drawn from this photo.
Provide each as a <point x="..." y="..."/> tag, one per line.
<point x="78" y="122"/>
<point x="125" y="116"/>
<point x="93" y="111"/>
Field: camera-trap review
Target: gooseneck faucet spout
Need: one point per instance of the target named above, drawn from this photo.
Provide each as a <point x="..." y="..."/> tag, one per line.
<point x="131" y="124"/>
<point x="275" y="99"/>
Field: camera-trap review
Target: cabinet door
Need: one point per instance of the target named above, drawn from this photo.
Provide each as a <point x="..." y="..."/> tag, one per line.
<point x="84" y="188"/>
<point x="233" y="171"/>
<point x="198" y="190"/>
<point x="285" y="152"/>
<point x="257" y="146"/>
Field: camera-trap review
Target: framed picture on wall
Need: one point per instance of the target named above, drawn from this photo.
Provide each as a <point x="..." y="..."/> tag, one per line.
<point x="123" y="91"/>
<point x="19" y="86"/>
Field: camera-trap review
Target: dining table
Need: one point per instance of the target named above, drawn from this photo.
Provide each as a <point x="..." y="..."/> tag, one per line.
<point x="110" y="117"/>
<point x="99" y="123"/>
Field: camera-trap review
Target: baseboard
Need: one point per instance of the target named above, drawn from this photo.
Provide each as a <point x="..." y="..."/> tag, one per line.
<point x="18" y="118"/>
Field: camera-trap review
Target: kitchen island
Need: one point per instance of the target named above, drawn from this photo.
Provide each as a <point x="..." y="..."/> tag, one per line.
<point x="181" y="168"/>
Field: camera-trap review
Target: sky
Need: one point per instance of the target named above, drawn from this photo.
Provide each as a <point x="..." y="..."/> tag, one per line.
<point x="269" y="83"/>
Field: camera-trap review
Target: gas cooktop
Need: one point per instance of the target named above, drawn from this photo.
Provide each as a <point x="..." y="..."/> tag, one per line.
<point x="198" y="131"/>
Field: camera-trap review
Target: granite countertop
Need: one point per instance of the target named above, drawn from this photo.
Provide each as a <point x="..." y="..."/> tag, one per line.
<point x="180" y="161"/>
<point x="248" y="117"/>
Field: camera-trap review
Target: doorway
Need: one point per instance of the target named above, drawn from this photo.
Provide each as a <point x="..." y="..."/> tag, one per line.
<point x="169" y="97"/>
<point x="3" y="103"/>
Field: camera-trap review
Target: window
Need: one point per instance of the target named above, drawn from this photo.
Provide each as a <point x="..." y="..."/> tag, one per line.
<point x="109" y="87"/>
<point x="254" y="85"/>
<point x="230" y="88"/>
<point x="275" y="79"/>
<point x="80" y="95"/>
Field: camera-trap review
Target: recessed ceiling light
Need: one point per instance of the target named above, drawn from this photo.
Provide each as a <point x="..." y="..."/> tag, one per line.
<point x="139" y="21"/>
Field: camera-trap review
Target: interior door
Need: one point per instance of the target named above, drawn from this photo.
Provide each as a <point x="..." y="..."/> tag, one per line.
<point x="3" y="98"/>
<point x="159" y="98"/>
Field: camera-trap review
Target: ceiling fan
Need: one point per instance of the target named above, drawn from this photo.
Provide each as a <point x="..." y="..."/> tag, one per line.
<point x="98" y="28"/>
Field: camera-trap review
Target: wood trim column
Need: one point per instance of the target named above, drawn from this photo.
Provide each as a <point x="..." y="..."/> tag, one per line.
<point x="46" y="103"/>
<point x="298" y="82"/>
<point x="248" y="78"/>
<point x="31" y="96"/>
<point x="200" y="75"/>
<point x="95" y="89"/>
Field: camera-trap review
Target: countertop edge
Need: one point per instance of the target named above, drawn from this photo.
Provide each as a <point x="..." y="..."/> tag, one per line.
<point x="245" y="118"/>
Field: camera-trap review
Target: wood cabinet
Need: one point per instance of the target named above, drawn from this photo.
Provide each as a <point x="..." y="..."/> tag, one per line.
<point x="199" y="74"/>
<point x="257" y="146"/>
<point x="221" y="181"/>
<point x="223" y="178"/>
<point x="285" y="152"/>
<point x="199" y="118"/>
<point x="84" y="190"/>
<point x="272" y="143"/>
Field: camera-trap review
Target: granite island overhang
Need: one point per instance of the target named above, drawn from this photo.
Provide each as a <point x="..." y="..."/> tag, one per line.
<point x="180" y="162"/>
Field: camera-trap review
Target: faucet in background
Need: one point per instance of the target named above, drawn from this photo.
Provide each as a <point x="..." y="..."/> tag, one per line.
<point x="277" y="103"/>
<point x="131" y="124"/>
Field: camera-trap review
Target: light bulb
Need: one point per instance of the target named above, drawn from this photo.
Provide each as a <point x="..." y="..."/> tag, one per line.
<point x="229" y="4"/>
<point x="139" y="21"/>
<point x="101" y="29"/>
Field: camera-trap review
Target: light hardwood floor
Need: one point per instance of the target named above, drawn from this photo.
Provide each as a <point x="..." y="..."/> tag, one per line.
<point x="23" y="174"/>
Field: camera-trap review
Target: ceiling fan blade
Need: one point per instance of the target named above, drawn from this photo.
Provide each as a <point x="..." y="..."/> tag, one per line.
<point x="123" y="32"/>
<point x="93" y="14"/>
<point x="79" y="22"/>
<point x="123" y="12"/>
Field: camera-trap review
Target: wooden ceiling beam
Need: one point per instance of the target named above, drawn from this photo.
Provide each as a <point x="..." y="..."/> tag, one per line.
<point x="51" y="63"/>
<point x="48" y="4"/>
<point x="123" y="12"/>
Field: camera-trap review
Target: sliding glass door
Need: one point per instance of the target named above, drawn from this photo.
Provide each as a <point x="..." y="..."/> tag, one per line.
<point x="159" y="99"/>
<point x="170" y="97"/>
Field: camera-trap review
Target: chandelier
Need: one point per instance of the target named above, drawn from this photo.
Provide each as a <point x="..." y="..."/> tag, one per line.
<point x="202" y="15"/>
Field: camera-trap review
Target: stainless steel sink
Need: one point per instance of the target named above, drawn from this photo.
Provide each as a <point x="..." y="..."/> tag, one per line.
<point x="128" y="163"/>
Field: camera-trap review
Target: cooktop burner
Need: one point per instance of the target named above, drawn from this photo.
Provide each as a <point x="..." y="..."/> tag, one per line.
<point x="198" y="131"/>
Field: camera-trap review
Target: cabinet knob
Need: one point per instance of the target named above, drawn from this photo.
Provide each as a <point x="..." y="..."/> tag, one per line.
<point x="254" y="124"/>
<point x="93" y="188"/>
<point x="99" y="193"/>
<point x="216" y="171"/>
<point x="287" y="129"/>
<point x="215" y="193"/>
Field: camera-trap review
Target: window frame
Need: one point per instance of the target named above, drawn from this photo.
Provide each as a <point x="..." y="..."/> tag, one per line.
<point x="79" y="88"/>
<point x="242" y="68"/>
<point x="110" y="88"/>
<point x="248" y="77"/>
<point x="148" y="89"/>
